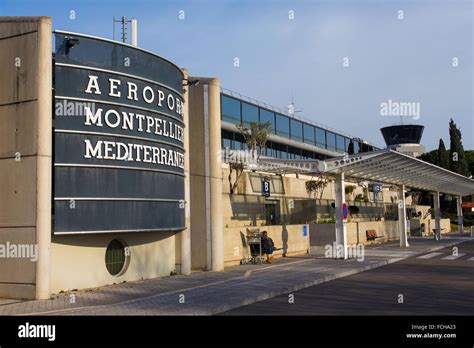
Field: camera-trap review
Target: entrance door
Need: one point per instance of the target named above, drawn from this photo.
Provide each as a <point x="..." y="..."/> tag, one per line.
<point x="271" y="213"/>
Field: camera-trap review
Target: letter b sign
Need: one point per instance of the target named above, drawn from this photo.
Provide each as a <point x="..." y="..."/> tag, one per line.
<point x="265" y="188"/>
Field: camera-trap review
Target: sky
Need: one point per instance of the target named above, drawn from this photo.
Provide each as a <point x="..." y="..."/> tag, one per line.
<point x="340" y="60"/>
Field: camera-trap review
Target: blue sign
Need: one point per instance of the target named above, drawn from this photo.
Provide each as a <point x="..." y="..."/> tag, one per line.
<point x="344" y="211"/>
<point x="305" y="230"/>
<point x="265" y="188"/>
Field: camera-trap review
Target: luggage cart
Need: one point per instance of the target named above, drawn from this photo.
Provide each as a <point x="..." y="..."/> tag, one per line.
<point x="255" y="246"/>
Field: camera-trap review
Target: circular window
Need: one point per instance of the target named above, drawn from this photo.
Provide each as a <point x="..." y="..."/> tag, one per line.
<point x="117" y="256"/>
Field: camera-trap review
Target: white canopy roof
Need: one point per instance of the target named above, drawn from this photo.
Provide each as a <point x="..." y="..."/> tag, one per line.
<point x="384" y="166"/>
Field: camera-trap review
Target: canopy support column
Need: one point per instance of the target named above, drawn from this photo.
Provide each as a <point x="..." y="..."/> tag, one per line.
<point x="460" y="216"/>
<point x="437" y="211"/>
<point x="402" y="218"/>
<point x="341" y="228"/>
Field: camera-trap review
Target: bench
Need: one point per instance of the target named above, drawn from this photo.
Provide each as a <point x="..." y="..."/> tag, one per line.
<point x="371" y="235"/>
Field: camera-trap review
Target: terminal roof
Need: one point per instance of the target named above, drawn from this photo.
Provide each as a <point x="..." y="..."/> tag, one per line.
<point x="384" y="166"/>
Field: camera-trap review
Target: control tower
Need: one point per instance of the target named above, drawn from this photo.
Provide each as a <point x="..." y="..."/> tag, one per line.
<point x="404" y="138"/>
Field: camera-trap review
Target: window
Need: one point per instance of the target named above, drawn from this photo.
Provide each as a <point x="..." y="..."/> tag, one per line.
<point x="331" y="140"/>
<point x="266" y="116"/>
<point x="308" y="132"/>
<point x="116" y="258"/>
<point x="294" y="153"/>
<point x="226" y="143"/>
<point x="296" y="130"/>
<point x="249" y="113"/>
<point x="340" y="143"/>
<point x="356" y="147"/>
<point x="282" y="125"/>
<point x="321" y="137"/>
<point x="230" y="109"/>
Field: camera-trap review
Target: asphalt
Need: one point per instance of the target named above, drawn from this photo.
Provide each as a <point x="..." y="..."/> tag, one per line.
<point x="434" y="283"/>
<point x="209" y="293"/>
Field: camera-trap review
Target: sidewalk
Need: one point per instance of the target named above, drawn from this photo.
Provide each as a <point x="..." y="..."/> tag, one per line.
<point x="207" y="293"/>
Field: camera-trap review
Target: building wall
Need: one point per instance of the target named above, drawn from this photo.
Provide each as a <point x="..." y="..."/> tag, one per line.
<point x="288" y="237"/>
<point x="205" y="175"/>
<point x="323" y="234"/>
<point x="25" y="134"/>
<point x="79" y="261"/>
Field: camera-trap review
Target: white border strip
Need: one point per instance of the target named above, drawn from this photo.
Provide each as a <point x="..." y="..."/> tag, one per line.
<point x="69" y="131"/>
<point x="121" y="231"/>
<point x="117" y="199"/>
<point x="81" y="165"/>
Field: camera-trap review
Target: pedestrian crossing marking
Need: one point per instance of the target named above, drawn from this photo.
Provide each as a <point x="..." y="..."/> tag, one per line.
<point x="429" y="256"/>
<point x="471" y="259"/>
<point x="453" y="257"/>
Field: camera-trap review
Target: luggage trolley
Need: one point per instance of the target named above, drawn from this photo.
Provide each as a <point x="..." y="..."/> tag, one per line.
<point x="254" y="242"/>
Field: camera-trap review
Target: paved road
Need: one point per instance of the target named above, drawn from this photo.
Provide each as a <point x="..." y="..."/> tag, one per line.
<point x="434" y="283"/>
<point x="209" y="293"/>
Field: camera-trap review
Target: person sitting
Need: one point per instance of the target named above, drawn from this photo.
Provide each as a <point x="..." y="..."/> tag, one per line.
<point x="267" y="246"/>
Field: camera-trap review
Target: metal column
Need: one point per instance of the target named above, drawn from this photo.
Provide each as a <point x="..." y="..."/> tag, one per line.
<point x="402" y="218"/>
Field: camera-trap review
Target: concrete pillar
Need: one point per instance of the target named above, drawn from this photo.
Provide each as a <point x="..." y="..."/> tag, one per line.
<point x="44" y="159"/>
<point x="460" y="217"/>
<point x="207" y="232"/>
<point x="402" y="218"/>
<point x="217" y="228"/>
<point x="185" y="239"/>
<point x="341" y="228"/>
<point x="437" y="216"/>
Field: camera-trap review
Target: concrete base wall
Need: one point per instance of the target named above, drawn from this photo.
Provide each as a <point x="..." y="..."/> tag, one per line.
<point x="78" y="262"/>
<point x="288" y="237"/>
<point x="323" y="234"/>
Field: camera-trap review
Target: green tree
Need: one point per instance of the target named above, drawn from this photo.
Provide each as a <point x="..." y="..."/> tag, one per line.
<point x="256" y="136"/>
<point x="430" y="157"/>
<point x="348" y="190"/>
<point x="457" y="157"/>
<point x="470" y="160"/>
<point x="442" y="155"/>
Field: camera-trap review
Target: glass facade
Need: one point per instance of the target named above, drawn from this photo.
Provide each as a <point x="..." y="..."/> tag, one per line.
<point x="282" y="126"/>
<point x="320" y="137"/>
<point x="340" y="143"/>
<point x="234" y="141"/>
<point x="356" y="147"/>
<point x="237" y="112"/>
<point x="296" y="130"/>
<point x="330" y="141"/>
<point x="230" y="109"/>
<point x="267" y="116"/>
<point x="308" y="133"/>
<point x="249" y="113"/>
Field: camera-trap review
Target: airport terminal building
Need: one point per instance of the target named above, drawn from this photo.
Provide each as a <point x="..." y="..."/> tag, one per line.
<point x="111" y="167"/>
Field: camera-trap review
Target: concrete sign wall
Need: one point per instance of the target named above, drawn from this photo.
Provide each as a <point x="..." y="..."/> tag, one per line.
<point x="25" y="156"/>
<point x="118" y="138"/>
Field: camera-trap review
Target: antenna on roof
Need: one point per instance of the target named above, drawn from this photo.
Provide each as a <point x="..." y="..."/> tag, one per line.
<point x="291" y="108"/>
<point x="124" y="22"/>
